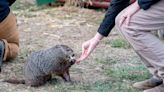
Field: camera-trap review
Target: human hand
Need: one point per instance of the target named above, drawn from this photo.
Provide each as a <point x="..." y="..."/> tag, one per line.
<point x="87" y="48"/>
<point x="130" y="11"/>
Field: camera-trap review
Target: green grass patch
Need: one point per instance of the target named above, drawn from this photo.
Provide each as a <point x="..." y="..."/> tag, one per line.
<point x="112" y="85"/>
<point x="119" y="43"/>
<point x="125" y="71"/>
<point x="105" y="60"/>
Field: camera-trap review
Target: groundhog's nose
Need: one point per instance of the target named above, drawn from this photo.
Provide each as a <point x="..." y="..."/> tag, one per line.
<point x="73" y="61"/>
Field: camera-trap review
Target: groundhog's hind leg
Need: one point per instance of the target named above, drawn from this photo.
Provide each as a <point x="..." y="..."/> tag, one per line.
<point x="66" y="76"/>
<point x="48" y="77"/>
<point x="36" y="82"/>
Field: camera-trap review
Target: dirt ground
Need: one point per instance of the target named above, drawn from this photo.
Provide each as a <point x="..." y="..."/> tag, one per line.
<point x="43" y="28"/>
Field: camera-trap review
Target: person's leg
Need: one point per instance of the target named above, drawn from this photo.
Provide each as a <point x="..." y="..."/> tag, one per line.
<point x="138" y="34"/>
<point x="9" y="36"/>
<point x="149" y="83"/>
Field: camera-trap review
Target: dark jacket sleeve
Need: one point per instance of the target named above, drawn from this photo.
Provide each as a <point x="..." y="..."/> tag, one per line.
<point x="146" y="4"/>
<point x="115" y="7"/>
<point x="11" y="2"/>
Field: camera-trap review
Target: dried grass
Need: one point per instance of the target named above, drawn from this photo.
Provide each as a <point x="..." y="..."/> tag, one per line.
<point x="79" y="3"/>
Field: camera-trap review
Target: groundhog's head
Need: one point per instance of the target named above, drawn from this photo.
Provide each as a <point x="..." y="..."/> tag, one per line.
<point x="70" y="56"/>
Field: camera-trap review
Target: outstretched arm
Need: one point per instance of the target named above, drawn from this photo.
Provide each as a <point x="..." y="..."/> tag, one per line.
<point x="107" y="24"/>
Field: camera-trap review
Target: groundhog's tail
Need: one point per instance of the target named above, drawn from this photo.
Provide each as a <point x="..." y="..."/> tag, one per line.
<point x="14" y="81"/>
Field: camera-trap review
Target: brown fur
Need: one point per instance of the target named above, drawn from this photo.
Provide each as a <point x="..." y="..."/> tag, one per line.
<point x="42" y="64"/>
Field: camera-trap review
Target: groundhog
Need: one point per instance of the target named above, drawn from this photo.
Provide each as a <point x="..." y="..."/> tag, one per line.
<point x="40" y="66"/>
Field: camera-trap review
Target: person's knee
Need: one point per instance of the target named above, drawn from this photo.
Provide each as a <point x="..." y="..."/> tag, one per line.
<point x="119" y="26"/>
<point x="127" y="30"/>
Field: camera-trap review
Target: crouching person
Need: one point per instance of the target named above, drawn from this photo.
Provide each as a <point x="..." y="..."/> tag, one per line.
<point x="9" y="36"/>
<point x="135" y="23"/>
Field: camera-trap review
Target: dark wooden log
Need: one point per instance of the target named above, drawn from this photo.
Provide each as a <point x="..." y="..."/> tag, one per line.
<point x="97" y="3"/>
